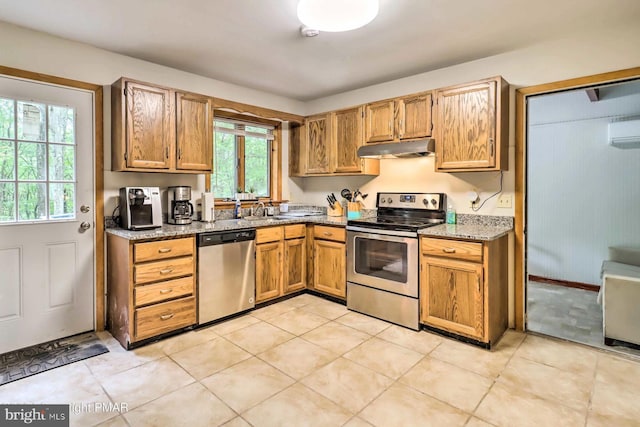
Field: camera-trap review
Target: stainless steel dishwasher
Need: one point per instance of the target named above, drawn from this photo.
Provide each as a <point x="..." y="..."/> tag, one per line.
<point x="226" y="274"/>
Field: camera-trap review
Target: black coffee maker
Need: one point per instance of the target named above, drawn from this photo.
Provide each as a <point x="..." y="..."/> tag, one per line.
<point x="179" y="207"/>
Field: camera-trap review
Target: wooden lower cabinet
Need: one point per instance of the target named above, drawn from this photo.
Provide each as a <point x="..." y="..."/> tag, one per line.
<point x="329" y="261"/>
<point x="463" y="287"/>
<point x="268" y="270"/>
<point x="151" y="287"/>
<point x="280" y="261"/>
<point x="295" y="268"/>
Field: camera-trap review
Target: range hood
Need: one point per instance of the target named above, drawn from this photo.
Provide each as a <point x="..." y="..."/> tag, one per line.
<point x="403" y="149"/>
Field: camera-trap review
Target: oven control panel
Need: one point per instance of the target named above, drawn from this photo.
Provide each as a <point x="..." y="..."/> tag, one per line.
<point x="424" y="201"/>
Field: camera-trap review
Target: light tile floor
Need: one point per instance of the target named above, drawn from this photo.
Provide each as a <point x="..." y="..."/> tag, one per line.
<point x="310" y="362"/>
<point x="569" y="313"/>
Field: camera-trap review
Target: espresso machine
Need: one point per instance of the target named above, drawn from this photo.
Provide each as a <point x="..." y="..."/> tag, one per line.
<point x="179" y="207"/>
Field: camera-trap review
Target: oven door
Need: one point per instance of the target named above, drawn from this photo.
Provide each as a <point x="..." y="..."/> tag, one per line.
<point x="383" y="261"/>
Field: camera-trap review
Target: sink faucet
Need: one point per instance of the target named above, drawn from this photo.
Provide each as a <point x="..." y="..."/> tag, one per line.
<point x="255" y="210"/>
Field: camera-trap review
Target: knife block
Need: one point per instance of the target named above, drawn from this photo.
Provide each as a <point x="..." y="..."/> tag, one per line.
<point x="336" y="210"/>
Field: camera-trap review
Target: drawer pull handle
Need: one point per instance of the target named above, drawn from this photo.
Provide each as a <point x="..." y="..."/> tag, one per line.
<point x="166" y="316"/>
<point x="166" y="271"/>
<point x="326" y="233"/>
<point x="164" y="250"/>
<point x="449" y="250"/>
<point x="166" y="291"/>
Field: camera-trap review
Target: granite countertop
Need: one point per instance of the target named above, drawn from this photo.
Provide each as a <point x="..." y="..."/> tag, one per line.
<point x="467" y="231"/>
<point x="169" y="230"/>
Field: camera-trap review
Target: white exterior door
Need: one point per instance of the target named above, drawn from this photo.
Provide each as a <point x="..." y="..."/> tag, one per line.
<point x="46" y="212"/>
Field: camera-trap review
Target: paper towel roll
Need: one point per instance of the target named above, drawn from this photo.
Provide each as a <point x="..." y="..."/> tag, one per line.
<point x="208" y="205"/>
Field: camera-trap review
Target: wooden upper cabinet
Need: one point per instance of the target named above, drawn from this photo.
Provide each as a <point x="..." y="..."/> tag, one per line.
<point x="156" y="129"/>
<point x="147" y="127"/>
<point x="297" y="157"/>
<point x="413" y="117"/>
<point x="348" y="136"/>
<point x="194" y="130"/>
<point x="472" y="127"/>
<point x="392" y="120"/>
<point x="379" y="121"/>
<point x="318" y="138"/>
<point x="327" y="144"/>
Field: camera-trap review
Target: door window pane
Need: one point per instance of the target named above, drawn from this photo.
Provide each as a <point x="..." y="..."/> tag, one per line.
<point x="62" y="160"/>
<point x="32" y="161"/>
<point x="256" y="161"/>
<point x="31" y="121"/>
<point x="7" y="160"/>
<point x="61" y="124"/>
<point x="224" y="179"/>
<point x="7" y="202"/>
<point x="62" y="201"/>
<point x="7" y="119"/>
<point x="32" y="201"/>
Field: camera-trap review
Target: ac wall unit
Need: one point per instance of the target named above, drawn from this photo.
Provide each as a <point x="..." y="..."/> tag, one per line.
<point x="625" y="134"/>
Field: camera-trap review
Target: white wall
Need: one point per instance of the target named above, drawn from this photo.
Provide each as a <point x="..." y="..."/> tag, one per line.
<point x="579" y="55"/>
<point x="583" y="195"/>
<point x="34" y="51"/>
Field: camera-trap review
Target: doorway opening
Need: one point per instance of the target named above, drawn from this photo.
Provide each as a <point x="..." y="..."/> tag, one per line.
<point x="579" y="204"/>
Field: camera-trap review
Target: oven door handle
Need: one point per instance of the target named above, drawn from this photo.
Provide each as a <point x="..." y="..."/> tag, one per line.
<point x="379" y="232"/>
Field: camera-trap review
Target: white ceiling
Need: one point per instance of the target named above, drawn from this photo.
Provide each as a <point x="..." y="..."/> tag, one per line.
<point x="257" y="44"/>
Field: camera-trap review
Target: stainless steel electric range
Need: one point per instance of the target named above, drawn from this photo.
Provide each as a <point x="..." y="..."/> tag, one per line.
<point x="382" y="256"/>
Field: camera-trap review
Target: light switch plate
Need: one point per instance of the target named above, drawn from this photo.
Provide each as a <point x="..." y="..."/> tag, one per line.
<point x="505" y="201"/>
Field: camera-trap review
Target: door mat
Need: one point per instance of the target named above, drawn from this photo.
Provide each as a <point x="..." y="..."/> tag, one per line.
<point x="38" y="358"/>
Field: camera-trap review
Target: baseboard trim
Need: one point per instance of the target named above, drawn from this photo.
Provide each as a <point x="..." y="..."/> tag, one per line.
<point x="565" y="283"/>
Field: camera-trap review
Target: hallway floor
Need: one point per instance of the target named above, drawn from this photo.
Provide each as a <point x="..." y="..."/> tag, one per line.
<point x="568" y="313"/>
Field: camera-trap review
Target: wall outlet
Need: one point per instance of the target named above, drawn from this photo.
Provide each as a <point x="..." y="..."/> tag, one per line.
<point x="505" y="201"/>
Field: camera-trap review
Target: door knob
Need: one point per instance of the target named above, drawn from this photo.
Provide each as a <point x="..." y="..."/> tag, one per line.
<point x="84" y="208"/>
<point x="85" y="225"/>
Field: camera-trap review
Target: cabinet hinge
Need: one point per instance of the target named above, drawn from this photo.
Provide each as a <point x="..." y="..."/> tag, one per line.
<point x="125" y="157"/>
<point x="362" y="114"/>
<point x="124" y="91"/>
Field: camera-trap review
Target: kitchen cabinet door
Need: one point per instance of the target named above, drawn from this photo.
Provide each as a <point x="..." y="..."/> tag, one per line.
<point x="348" y="137"/>
<point x="318" y="136"/>
<point x="297" y="157"/>
<point x="268" y="270"/>
<point x="379" y="121"/>
<point x="148" y="127"/>
<point x="453" y="296"/>
<point x="194" y="133"/>
<point x="295" y="268"/>
<point x="472" y="127"/>
<point x="329" y="269"/>
<point x="414" y="116"/>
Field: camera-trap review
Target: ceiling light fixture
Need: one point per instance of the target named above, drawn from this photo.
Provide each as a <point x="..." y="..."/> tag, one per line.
<point x="337" y="15"/>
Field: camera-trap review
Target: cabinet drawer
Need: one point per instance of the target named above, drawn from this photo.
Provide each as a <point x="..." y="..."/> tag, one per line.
<point x="164" y="317"/>
<point x="170" y="289"/>
<point x="162" y="249"/>
<point x="269" y="234"/>
<point x="163" y="270"/>
<point x="337" y="234"/>
<point x="294" y="231"/>
<point x="470" y="251"/>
